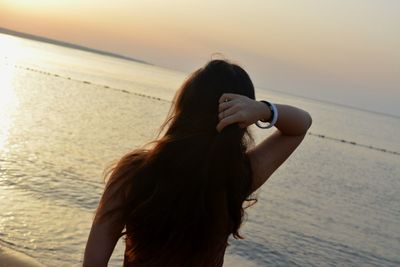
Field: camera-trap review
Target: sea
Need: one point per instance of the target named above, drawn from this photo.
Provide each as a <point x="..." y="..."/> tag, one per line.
<point x="66" y="114"/>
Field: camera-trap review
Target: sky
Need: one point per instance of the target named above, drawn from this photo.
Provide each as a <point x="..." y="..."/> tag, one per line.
<point x="342" y="51"/>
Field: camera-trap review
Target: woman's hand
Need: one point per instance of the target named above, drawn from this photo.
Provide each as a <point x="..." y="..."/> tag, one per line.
<point x="234" y="108"/>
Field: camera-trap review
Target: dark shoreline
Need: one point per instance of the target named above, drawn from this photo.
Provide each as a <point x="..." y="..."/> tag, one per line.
<point x="69" y="45"/>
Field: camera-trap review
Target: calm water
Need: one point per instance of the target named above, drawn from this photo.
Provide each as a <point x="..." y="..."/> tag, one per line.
<point x="65" y="114"/>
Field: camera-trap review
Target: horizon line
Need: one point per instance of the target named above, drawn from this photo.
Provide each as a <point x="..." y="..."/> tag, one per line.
<point x="120" y="56"/>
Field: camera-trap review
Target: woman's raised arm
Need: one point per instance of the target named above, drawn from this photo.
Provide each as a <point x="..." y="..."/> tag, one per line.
<point x="266" y="157"/>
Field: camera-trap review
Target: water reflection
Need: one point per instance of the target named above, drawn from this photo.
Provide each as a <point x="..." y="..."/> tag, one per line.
<point x="8" y="100"/>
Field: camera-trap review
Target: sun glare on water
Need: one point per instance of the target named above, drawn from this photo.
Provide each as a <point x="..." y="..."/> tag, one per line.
<point x="9" y="55"/>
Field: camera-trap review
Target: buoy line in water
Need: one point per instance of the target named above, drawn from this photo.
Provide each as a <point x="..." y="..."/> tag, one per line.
<point x="354" y="143"/>
<point x="168" y="101"/>
<point x="90" y="83"/>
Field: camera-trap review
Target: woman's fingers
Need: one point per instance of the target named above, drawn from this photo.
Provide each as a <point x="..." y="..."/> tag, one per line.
<point x="233" y="108"/>
<point x="227" y="112"/>
<point x="225" y="105"/>
<point x="227" y="121"/>
<point x="227" y="97"/>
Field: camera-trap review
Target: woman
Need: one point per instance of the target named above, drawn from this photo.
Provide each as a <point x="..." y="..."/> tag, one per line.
<point x="180" y="198"/>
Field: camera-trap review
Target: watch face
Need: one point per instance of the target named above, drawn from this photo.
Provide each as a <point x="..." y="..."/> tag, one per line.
<point x="263" y="125"/>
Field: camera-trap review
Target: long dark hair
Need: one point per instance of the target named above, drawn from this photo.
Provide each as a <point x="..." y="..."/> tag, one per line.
<point x="186" y="193"/>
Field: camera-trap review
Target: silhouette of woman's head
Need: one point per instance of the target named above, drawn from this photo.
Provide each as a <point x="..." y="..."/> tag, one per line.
<point x="195" y="107"/>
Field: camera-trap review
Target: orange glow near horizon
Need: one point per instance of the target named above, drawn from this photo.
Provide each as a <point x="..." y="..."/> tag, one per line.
<point x="318" y="43"/>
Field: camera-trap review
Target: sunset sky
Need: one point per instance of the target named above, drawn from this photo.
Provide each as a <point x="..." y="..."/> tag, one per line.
<point x="344" y="51"/>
